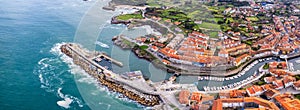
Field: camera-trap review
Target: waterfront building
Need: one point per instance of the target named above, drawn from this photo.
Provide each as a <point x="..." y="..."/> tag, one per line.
<point x="132" y="75"/>
<point x="223" y="53"/>
<point x="237" y="93"/>
<point x="288" y="81"/>
<point x="278" y="84"/>
<point x="154" y="49"/>
<point x="196" y="97"/>
<point x="200" y="107"/>
<point x="184" y="97"/>
<point x="241" y="59"/>
<point x="287" y="102"/>
<point x="224" y="95"/>
<point x="271" y="93"/>
<point x="269" y="79"/>
<point x="246" y="102"/>
<point x="254" y="90"/>
<point x="278" y="72"/>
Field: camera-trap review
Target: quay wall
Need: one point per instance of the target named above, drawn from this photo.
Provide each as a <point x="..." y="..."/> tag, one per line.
<point x="87" y="65"/>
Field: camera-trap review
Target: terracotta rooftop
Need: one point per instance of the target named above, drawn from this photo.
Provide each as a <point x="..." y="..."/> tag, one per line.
<point x="237" y="93"/>
<point x="238" y="59"/>
<point x="288" y="102"/>
<point x="288" y="79"/>
<point x="184" y="97"/>
<point x="218" y="104"/>
<point x="271" y="93"/>
<point x="196" y="96"/>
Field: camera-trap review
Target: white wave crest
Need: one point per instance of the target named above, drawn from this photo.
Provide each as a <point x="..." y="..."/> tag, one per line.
<point x="74" y="69"/>
<point x="67" y="100"/>
<point x="56" y="49"/>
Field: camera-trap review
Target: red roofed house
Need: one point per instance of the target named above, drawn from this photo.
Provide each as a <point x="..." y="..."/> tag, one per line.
<point x="196" y="96"/>
<point x="269" y="79"/>
<point x="223" y="53"/>
<point x="154" y="48"/>
<point x="271" y="93"/>
<point x="184" y="97"/>
<point x="288" y="81"/>
<point x="287" y="102"/>
<point x="241" y="59"/>
<point x="278" y="84"/>
<point x="254" y="90"/>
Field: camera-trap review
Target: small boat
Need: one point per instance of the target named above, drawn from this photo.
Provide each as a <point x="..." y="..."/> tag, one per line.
<point x="102" y="44"/>
<point x="173" y="78"/>
<point x="297" y="61"/>
<point x="200" y="78"/>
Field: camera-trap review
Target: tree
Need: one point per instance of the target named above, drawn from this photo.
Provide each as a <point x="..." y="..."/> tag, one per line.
<point x="228" y="22"/>
<point x="220" y="22"/>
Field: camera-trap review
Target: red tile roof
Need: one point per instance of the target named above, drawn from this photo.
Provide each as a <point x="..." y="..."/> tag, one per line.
<point x="184" y="97"/>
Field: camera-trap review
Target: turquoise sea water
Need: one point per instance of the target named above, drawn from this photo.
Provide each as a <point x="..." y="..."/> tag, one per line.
<point x="32" y="73"/>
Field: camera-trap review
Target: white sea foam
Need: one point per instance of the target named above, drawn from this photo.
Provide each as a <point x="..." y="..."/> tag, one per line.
<point x="41" y="78"/>
<point x="65" y="102"/>
<point x="50" y="73"/>
<point x="56" y="49"/>
<point x="102" y="44"/>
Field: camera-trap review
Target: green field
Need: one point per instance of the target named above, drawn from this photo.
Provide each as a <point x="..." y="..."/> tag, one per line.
<point x="209" y="26"/>
<point x="129" y="16"/>
<point x="213" y="35"/>
<point x="143" y="47"/>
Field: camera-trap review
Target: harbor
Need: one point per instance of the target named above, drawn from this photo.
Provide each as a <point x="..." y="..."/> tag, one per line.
<point x="157" y="94"/>
<point x="212" y="84"/>
<point x="109" y="79"/>
<point x="130" y="84"/>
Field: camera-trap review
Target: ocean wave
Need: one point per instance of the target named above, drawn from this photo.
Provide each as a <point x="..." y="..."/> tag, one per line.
<point x="50" y="72"/>
<point x="74" y="69"/>
<point x="67" y="100"/>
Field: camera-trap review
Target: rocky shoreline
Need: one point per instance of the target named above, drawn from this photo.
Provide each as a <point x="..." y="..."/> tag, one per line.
<point x="114" y="20"/>
<point x="129" y="94"/>
<point x="119" y="41"/>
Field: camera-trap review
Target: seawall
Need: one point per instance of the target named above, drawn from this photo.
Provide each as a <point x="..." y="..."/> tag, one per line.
<point x="82" y="58"/>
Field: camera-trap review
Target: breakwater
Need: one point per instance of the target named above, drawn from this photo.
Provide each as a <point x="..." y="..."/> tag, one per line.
<point x="84" y="58"/>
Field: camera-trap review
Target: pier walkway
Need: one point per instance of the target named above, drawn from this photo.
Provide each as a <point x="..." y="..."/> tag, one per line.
<point x="139" y="85"/>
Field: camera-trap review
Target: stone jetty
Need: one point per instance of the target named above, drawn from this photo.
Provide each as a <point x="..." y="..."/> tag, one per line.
<point x="84" y="59"/>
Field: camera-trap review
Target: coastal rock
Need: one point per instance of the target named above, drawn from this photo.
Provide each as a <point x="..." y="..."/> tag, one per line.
<point x="114" y="20"/>
<point x="108" y="8"/>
